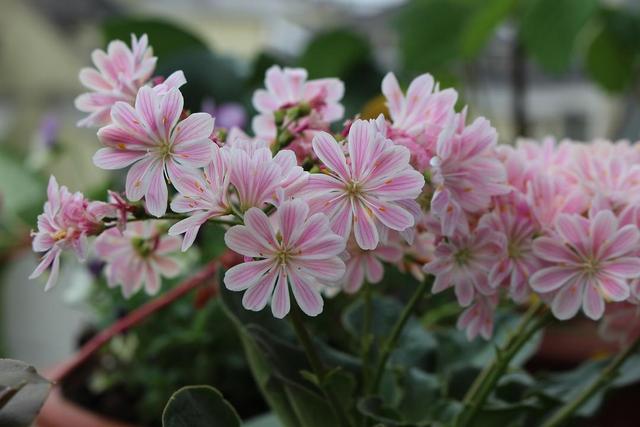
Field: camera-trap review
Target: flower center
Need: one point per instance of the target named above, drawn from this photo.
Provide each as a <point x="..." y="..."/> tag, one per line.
<point x="513" y="250"/>
<point x="591" y="266"/>
<point x="353" y="189"/>
<point x="165" y="149"/>
<point x="462" y="256"/>
<point x="144" y="247"/>
<point x="59" y="235"/>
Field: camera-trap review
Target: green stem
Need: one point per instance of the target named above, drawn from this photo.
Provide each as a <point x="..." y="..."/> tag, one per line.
<point x="366" y="334"/>
<point x="365" y="342"/>
<point x="390" y="343"/>
<point x="486" y="381"/>
<point x="317" y="366"/>
<point x="608" y="374"/>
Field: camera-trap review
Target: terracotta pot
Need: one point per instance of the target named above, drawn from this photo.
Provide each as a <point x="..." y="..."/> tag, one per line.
<point x="573" y="342"/>
<point x="58" y="411"/>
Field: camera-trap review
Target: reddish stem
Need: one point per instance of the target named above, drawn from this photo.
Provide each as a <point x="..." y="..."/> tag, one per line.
<point x="132" y="319"/>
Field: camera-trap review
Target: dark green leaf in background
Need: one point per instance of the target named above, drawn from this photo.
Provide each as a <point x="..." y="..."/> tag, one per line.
<point x="24" y="392"/>
<point x="609" y="62"/>
<point x="199" y="406"/>
<point x="482" y="24"/>
<point x="549" y="29"/>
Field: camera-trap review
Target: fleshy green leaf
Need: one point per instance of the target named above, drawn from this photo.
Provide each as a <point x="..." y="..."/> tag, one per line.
<point x="345" y="48"/>
<point x="199" y="406"/>
<point x="609" y="62"/>
<point x="23" y="394"/>
<point x="549" y="30"/>
<point x="482" y="24"/>
<point x="430" y="33"/>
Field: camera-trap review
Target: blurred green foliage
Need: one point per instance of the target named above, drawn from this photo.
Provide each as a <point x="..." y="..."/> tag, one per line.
<point x="441" y="36"/>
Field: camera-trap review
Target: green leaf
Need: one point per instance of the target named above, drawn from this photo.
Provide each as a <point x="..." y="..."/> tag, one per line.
<point x="272" y="388"/>
<point x="19" y="188"/>
<point x="266" y="420"/>
<point x="415" y="341"/>
<point x="430" y="33"/>
<point x="345" y="49"/>
<point x="565" y="386"/>
<point x="199" y="406"/>
<point x="417" y="394"/>
<point x="24" y="393"/>
<point x="549" y="30"/>
<point x="375" y="408"/>
<point x="207" y="74"/>
<point x="482" y="24"/>
<point x="166" y="37"/>
<point x="609" y="62"/>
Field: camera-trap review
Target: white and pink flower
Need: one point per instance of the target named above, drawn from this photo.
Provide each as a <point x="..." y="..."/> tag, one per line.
<point x="592" y="260"/>
<point x="67" y="222"/>
<point x="138" y="257"/>
<point x="120" y="72"/>
<point x="418" y="119"/>
<point x="289" y="87"/>
<point x="369" y="191"/>
<point x="296" y="250"/>
<point x="155" y="143"/>
<point x="463" y="261"/>
<point x="466" y="173"/>
<point x="366" y="265"/>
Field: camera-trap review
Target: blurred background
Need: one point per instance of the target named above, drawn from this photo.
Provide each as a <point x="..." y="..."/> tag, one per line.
<point x="567" y="68"/>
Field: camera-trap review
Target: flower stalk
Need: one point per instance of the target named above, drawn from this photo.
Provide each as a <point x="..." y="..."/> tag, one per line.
<point x="608" y="374"/>
<point x="318" y="367"/>
<point x="532" y="321"/>
<point x="391" y="341"/>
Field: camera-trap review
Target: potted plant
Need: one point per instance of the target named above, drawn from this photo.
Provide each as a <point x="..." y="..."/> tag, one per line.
<point x="353" y="242"/>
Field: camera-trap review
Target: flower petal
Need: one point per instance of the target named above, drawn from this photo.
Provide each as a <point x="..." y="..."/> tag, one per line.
<point x="329" y="152"/>
<point x="157" y="195"/>
<point x="242" y="239"/>
<point x="257" y="296"/>
<point x="592" y="302"/>
<point x="614" y="288"/>
<point x="324" y="270"/>
<point x="138" y="178"/>
<point x="551" y="278"/>
<point x="280" y="302"/>
<point x="306" y="294"/>
<point x="568" y="300"/>
<point x="245" y="275"/>
<point x="364" y="226"/>
<point x="110" y="158"/>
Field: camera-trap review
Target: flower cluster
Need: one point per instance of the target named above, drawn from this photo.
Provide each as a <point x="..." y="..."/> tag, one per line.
<point x="311" y="209"/>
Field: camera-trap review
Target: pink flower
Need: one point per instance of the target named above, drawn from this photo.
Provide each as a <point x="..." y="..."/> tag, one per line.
<point x="464" y="261"/>
<point x="621" y="323"/>
<point x="119" y="74"/>
<point x="205" y="193"/>
<point x="288" y="87"/>
<point x="67" y="221"/>
<point x="362" y="264"/>
<point x="256" y="179"/>
<point x="477" y="319"/>
<point x="608" y="171"/>
<point x="302" y="252"/>
<point x="259" y="178"/>
<point x="370" y="190"/>
<point x="466" y="173"/>
<point x="516" y="262"/>
<point x="151" y="138"/>
<point x="593" y="260"/>
<point x="551" y="195"/>
<point x="137" y="257"/>
<point x="419" y="118"/>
